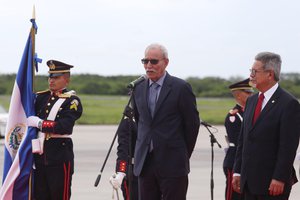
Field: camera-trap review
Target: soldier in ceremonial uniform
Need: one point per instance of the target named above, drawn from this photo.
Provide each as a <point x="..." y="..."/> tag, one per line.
<point x="233" y="121"/>
<point x="57" y="109"/>
<point x="127" y="132"/>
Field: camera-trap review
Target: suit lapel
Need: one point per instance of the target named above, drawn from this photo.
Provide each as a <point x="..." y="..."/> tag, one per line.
<point x="254" y="102"/>
<point x="251" y="104"/>
<point x="145" y="97"/>
<point x="166" y="88"/>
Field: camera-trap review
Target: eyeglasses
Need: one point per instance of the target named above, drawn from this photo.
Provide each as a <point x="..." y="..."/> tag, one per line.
<point x="254" y="71"/>
<point x="152" y="61"/>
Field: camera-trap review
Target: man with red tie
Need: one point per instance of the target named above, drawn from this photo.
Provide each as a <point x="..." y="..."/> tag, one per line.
<point x="269" y="139"/>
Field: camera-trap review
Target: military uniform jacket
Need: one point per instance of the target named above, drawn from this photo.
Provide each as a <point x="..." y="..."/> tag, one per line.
<point x="57" y="150"/>
<point x="233" y="123"/>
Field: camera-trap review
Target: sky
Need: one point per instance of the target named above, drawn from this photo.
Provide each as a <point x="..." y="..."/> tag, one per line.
<point x="108" y="37"/>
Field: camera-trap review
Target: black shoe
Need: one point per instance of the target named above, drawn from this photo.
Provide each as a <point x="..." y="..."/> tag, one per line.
<point x="2" y="137"/>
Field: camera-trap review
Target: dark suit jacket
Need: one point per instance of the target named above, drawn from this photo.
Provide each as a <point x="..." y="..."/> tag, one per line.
<point x="173" y="129"/>
<point x="267" y="149"/>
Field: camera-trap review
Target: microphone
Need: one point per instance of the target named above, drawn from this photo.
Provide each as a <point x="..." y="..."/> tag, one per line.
<point x="136" y="82"/>
<point x="205" y="123"/>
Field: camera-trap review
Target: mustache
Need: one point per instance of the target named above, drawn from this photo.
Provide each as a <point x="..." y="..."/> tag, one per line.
<point x="151" y="70"/>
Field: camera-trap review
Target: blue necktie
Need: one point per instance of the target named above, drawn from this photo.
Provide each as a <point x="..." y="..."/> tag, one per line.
<point x="153" y="96"/>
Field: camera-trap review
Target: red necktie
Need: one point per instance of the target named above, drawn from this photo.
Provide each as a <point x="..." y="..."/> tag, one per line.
<point x="258" y="107"/>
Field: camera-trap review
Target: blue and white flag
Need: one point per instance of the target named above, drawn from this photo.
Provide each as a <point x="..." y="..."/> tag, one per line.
<point x="18" y="157"/>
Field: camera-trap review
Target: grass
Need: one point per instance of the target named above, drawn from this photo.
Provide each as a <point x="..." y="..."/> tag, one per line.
<point x="109" y="109"/>
<point x="214" y="110"/>
<point x="102" y="109"/>
<point x="5" y="101"/>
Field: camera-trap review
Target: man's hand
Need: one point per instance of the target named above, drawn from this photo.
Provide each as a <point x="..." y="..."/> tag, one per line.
<point x="236" y="183"/>
<point x="276" y="187"/>
<point x="117" y="179"/>
<point x="34" y="121"/>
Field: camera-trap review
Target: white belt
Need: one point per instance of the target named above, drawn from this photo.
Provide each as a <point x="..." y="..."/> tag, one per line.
<point x="231" y="144"/>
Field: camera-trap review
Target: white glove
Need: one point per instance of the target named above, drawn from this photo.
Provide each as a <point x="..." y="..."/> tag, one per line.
<point x="117" y="179"/>
<point x="38" y="144"/>
<point x="34" y="121"/>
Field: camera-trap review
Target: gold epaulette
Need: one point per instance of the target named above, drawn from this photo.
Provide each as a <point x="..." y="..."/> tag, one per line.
<point x="233" y="112"/>
<point x="43" y="91"/>
<point x="67" y="94"/>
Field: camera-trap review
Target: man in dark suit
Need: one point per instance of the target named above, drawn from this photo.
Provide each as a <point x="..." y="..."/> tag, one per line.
<point x="269" y="137"/>
<point x="168" y="123"/>
<point x="233" y="122"/>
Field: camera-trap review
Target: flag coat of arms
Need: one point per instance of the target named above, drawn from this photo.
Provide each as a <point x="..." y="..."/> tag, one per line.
<point x="18" y="157"/>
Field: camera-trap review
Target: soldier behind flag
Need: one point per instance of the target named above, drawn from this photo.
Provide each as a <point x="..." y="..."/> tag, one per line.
<point x="233" y="121"/>
<point x="127" y="129"/>
<point x="57" y="109"/>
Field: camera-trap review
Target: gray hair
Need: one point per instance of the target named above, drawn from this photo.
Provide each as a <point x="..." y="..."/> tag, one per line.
<point x="271" y="61"/>
<point x="158" y="46"/>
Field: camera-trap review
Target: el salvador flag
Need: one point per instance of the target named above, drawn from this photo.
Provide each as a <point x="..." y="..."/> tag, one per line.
<point x="18" y="157"/>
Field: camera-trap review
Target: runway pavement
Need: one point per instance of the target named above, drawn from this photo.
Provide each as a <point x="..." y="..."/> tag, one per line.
<point x="91" y="144"/>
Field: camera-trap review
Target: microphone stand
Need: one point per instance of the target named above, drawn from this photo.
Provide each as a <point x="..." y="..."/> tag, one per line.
<point x="127" y="113"/>
<point x="130" y="115"/>
<point x="212" y="141"/>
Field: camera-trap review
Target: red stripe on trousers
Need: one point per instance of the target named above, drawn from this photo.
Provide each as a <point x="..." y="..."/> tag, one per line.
<point x="66" y="181"/>
<point x="229" y="185"/>
<point x="68" y="186"/>
<point x="65" y="172"/>
<point x="126" y="190"/>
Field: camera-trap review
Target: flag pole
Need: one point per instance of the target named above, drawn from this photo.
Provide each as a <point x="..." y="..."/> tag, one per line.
<point x="33" y="62"/>
<point x="33" y="32"/>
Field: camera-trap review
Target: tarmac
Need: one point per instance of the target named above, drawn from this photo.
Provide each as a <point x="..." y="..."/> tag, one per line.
<point x="91" y="144"/>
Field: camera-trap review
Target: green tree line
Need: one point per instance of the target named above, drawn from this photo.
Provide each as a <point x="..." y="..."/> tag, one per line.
<point x="92" y="84"/>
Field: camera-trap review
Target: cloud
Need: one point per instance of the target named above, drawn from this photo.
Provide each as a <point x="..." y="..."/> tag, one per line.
<point x="108" y="37"/>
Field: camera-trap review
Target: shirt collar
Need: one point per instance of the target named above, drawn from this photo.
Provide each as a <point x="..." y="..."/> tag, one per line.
<point x="58" y="92"/>
<point x="268" y="94"/>
<point x="160" y="81"/>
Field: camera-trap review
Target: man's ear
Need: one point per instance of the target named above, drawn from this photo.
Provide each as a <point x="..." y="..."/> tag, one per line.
<point x="271" y="74"/>
<point x="67" y="79"/>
